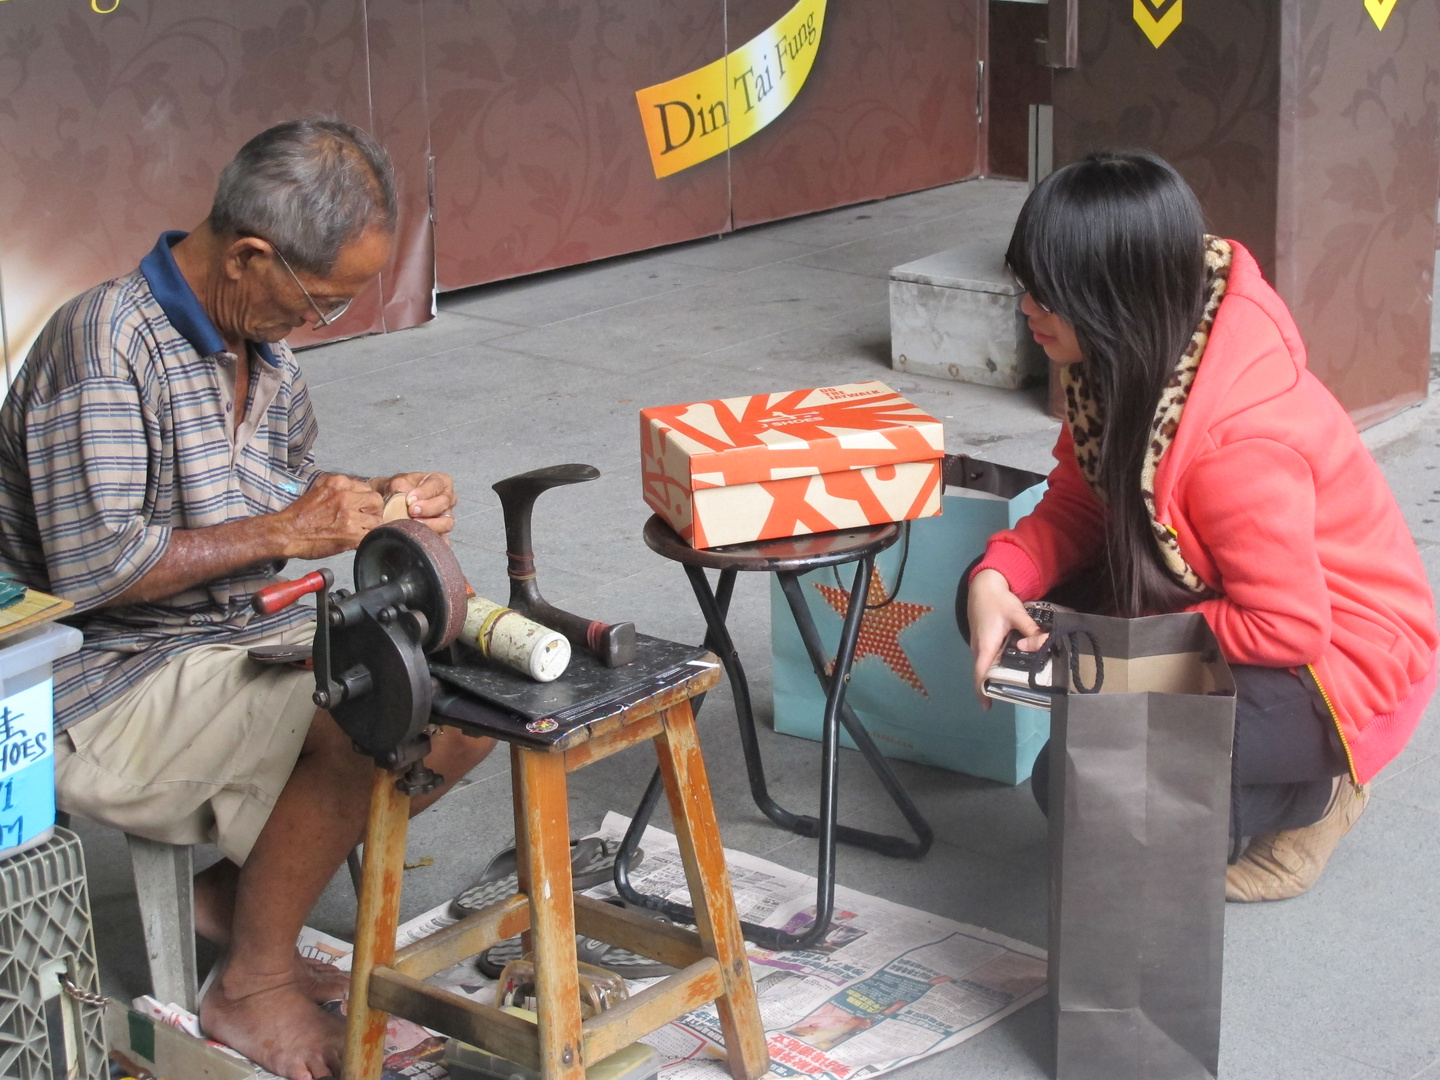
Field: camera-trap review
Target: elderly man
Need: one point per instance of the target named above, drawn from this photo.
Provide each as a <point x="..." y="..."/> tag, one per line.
<point x="156" y="469"/>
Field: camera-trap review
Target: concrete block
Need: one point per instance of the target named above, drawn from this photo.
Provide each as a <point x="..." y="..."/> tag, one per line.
<point x="956" y="315"/>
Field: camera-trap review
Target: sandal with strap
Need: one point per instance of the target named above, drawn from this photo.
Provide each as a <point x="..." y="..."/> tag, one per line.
<point x="588" y="950"/>
<point x="592" y="862"/>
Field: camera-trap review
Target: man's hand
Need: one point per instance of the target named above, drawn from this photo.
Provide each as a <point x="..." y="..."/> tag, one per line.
<point x="430" y="497"/>
<point x="333" y="516"/>
<point x="994" y="612"/>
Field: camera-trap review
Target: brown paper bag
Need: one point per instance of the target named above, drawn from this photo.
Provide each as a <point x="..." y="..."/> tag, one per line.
<point x="1139" y="813"/>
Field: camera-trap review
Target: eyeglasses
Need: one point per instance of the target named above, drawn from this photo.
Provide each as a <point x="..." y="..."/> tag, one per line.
<point x="1026" y="288"/>
<point x="327" y="313"/>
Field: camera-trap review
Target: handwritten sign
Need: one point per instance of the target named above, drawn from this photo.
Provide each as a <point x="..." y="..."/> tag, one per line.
<point x="705" y="112"/>
<point x="27" y="765"/>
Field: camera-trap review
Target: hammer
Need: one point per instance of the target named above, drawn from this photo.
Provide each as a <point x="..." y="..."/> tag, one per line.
<point x="614" y="644"/>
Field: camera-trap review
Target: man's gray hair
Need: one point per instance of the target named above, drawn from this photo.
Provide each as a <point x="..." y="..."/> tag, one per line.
<point x="309" y="187"/>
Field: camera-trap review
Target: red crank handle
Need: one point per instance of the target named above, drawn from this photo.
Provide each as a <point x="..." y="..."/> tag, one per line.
<point x="282" y="594"/>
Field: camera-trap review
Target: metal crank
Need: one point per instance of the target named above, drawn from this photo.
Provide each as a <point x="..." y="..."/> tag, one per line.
<point x="371" y="672"/>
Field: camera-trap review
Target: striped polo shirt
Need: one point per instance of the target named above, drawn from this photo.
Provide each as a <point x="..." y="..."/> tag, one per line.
<point x="121" y="427"/>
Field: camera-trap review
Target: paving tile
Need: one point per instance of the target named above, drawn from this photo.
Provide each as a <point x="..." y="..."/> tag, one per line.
<point x="1430" y="556"/>
<point x="876" y="256"/>
<point x="1033" y="450"/>
<point x="1017" y="1048"/>
<point x="642" y="336"/>
<point x="1252" y="1053"/>
<point x="1348" y="968"/>
<point x="956" y="884"/>
<point x="1412" y="467"/>
<point x="322" y="364"/>
<point x="1426" y="738"/>
<point x="581" y="290"/>
<point x="1415" y="752"/>
<point x="396" y="404"/>
<point x="1416" y="785"/>
<point x="852" y="223"/>
<point x="656" y="598"/>
<point x="744" y="249"/>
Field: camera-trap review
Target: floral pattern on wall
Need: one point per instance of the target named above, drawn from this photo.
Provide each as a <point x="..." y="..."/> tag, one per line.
<point x="1311" y="136"/>
<point x="513" y="125"/>
<point x="1206" y="100"/>
<point x="114" y="128"/>
<point x="540" y="158"/>
<point x="890" y="106"/>
<point x="1359" y="177"/>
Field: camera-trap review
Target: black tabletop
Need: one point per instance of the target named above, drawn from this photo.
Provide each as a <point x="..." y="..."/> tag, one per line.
<point x="493" y="700"/>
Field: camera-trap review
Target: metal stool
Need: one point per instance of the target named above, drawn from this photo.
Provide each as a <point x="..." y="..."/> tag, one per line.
<point x="712" y="962"/>
<point x="787" y="559"/>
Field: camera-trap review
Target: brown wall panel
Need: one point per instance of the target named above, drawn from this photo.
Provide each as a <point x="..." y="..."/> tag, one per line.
<point x="540" y="157"/>
<point x="114" y="127"/>
<point x="395" y="31"/>
<point x="1359" y="173"/>
<point x="516" y="117"/>
<point x="889" y="107"/>
<point x="1206" y="101"/>
<point x="1312" y="135"/>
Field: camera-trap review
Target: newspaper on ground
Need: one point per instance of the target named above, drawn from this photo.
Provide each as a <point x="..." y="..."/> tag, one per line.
<point x="411" y="1051"/>
<point x="889" y="985"/>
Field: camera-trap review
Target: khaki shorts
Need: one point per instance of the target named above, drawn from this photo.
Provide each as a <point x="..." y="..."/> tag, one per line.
<point x="196" y="753"/>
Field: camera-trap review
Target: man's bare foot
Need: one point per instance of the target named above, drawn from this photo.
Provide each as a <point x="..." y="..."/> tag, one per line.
<point x="319" y="981"/>
<point x="278" y="1027"/>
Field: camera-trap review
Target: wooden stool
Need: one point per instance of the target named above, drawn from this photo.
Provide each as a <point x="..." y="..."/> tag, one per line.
<point x="712" y="962"/>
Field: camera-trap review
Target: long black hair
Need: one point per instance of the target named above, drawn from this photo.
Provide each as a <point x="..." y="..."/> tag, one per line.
<point x="1115" y="245"/>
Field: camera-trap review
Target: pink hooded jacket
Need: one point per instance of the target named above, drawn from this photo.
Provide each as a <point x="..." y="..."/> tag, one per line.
<point x="1280" y="509"/>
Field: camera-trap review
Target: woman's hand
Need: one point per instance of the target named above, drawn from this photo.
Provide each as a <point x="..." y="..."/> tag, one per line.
<point x="994" y="612"/>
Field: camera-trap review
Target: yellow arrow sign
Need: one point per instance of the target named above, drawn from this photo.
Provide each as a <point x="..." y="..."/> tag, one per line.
<point x="1380" y="11"/>
<point x="707" y="111"/>
<point x="1158" y="27"/>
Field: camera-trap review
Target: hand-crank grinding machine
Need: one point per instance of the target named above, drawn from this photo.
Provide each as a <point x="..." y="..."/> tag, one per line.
<point x="373" y="647"/>
<point x="371" y="672"/>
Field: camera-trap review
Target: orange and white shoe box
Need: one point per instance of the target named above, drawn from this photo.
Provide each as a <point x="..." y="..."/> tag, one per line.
<point x="774" y="465"/>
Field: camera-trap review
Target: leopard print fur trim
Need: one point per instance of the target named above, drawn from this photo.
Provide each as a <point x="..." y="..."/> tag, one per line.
<point x="1085" y="417"/>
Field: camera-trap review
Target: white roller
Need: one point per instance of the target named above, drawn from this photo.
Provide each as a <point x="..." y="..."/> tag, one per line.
<point x="506" y="636"/>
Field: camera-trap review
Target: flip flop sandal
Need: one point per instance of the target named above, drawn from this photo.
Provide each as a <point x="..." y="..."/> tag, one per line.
<point x="622" y="962"/>
<point x="493" y="960"/>
<point x="592" y="862"/>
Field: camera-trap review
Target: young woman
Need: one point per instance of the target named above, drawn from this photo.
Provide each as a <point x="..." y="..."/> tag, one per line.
<point x="1202" y="468"/>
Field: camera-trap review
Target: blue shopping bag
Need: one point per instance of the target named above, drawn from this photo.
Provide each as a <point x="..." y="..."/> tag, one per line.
<point x="912" y="685"/>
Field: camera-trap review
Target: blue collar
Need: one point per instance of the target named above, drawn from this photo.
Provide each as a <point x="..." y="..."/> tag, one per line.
<point x="181" y="305"/>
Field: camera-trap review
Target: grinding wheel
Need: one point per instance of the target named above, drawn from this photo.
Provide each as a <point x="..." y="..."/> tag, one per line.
<point x="411" y="553"/>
